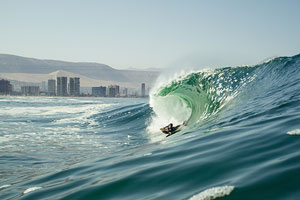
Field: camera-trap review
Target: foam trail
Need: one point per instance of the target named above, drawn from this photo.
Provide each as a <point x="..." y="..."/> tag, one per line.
<point x="213" y="193"/>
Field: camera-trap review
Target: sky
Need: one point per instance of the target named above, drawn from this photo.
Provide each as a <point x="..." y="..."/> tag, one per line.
<point x="151" y="33"/>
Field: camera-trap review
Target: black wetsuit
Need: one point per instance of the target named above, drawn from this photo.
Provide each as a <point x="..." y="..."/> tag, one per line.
<point x="170" y="129"/>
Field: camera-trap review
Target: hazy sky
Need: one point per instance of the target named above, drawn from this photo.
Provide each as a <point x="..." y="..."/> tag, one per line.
<point x="151" y="33"/>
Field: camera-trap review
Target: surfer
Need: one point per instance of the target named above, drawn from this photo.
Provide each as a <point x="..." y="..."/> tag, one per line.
<point x="170" y="129"/>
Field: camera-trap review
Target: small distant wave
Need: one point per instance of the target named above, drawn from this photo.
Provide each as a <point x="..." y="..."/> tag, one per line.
<point x="294" y="132"/>
<point x="31" y="189"/>
<point x="213" y="193"/>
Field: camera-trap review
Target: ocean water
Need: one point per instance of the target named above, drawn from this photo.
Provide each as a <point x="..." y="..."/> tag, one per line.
<point x="241" y="140"/>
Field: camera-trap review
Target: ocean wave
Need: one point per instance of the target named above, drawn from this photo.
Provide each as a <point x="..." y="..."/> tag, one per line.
<point x="198" y="95"/>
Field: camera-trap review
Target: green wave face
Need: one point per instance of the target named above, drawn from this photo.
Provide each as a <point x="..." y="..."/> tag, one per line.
<point x="198" y="95"/>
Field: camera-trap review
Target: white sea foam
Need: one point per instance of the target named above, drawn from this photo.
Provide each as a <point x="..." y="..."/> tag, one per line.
<point x="4" y="186"/>
<point x="69" y="122"/>
<point x="4" y="139"/>
<point x="80" y="114"/>
<point x="213" y="193"/>
<point x="294" y="132"/>
<point x="31" y="189"/>
<point x="168" y="109"/>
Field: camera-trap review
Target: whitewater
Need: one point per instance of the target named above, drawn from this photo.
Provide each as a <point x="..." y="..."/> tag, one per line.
<point x="241" y="139"/>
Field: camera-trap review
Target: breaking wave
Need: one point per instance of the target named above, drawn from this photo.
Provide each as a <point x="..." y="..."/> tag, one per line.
<point x="196" y="96"/>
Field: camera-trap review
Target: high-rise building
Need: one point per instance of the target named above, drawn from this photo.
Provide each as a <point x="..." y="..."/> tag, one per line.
<point x="77" y="86"/>
<point x="143" y="90"/>
<point x="71" y="87"/>
<point x="43" y="87"/>
<point x="111" y="91"/>
<point x="74" y="86"/>
<point x="51" y="87"/>
<point x="30" y="90"/>
<point x="117" y="90"/>
<point x="99" y="91"/>
<point x="62" y="86"/>
<point x="125" y="92"/>
<point x="5" y="87"/>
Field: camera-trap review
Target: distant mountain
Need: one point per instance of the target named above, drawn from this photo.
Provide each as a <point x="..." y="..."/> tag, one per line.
<point x="96" y="71"/>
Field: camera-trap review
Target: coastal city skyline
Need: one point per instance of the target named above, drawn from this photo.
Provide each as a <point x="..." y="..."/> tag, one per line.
<point x="25" y="74"/>
<point x="61" y="87"/>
